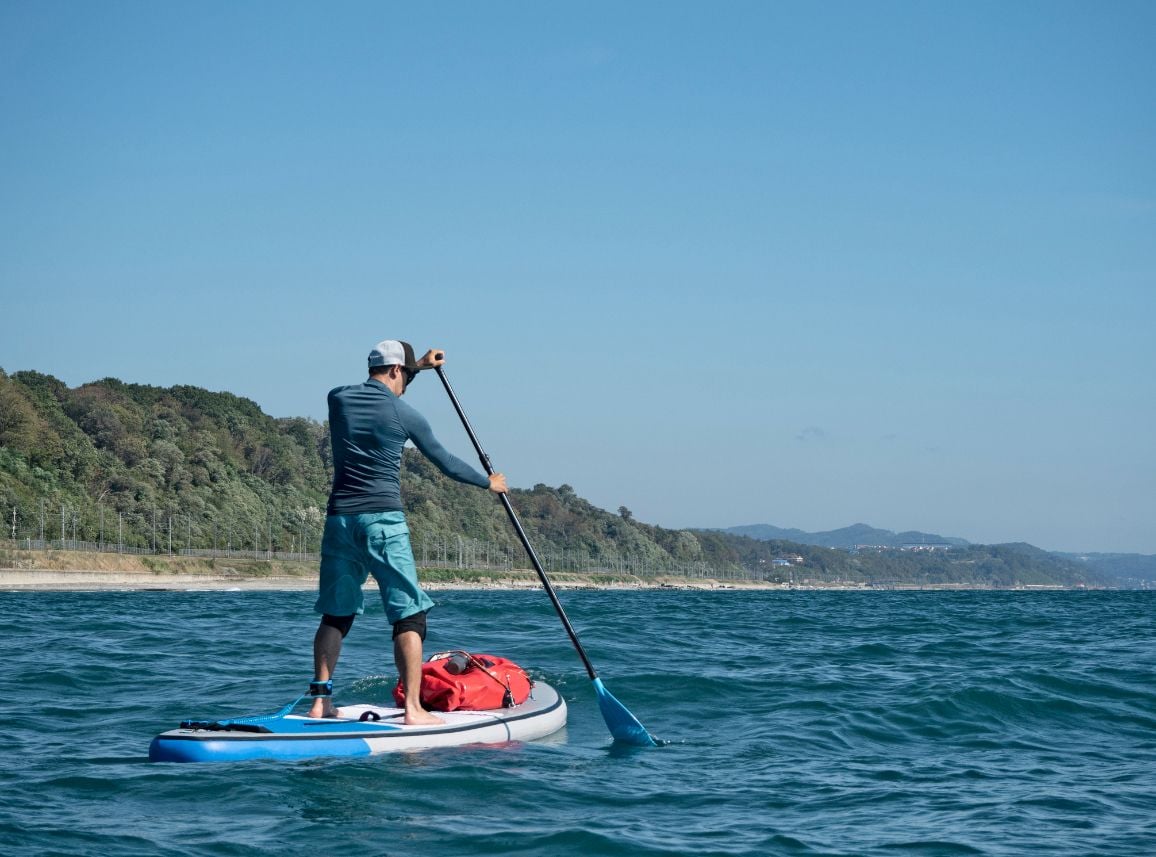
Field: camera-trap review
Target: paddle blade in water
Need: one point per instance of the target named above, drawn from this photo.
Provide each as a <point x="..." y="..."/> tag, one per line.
<point x="623" y="725"/>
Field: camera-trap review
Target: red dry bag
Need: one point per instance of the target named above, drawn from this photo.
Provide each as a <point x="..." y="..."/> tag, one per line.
<point x="458" y="680"/>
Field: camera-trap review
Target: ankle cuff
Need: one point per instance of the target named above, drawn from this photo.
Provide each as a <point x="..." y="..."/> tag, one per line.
<point x="321" y="689"/>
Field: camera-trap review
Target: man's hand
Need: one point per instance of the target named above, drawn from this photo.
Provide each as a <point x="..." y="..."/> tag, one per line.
<point x="432" y="359"/>
<point x="498" y="483"/>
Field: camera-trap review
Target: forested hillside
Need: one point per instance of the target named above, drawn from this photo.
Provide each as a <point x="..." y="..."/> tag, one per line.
<point x="168" y="468"/>
<point x="141" y="457"/>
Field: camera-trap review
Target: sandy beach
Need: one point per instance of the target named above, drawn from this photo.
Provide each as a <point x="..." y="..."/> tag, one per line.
<point x="56" y="570"/>
<point x="82" y="580"/>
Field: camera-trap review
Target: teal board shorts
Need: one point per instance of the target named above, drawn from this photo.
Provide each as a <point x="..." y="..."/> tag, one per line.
<point x="356" y="546"/>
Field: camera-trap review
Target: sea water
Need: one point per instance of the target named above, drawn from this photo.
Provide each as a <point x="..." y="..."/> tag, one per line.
<point x="841" y="723"/>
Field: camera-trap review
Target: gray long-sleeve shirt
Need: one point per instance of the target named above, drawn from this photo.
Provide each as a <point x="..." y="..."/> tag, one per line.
<point x="369" y="426"/>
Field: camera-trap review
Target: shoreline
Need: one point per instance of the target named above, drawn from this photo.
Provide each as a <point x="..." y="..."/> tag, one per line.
<point x="97" y="580"/>
<point x="81" y="571"/>
<point x="119" y="580"/>
<point x="69" y="570"/>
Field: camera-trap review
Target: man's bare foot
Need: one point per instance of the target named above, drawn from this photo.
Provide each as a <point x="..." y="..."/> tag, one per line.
<point x="421" y="717"/>
<point x="322" y="708"/>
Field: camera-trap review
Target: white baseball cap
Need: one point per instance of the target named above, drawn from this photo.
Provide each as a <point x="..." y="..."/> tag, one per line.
<point x="393" y="352"/>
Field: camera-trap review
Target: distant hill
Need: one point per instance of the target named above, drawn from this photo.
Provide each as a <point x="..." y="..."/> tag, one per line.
<point x="1128" y="569"/>
<point x="160" y="469"/>
<point x="847" y="537"/>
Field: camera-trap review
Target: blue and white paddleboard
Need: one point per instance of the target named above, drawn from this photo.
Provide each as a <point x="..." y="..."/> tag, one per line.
<point x="358" y="730"/>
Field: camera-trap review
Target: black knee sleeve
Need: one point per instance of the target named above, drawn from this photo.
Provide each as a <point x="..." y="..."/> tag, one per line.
<point x="341" y="623"/>
<point x="416" y="622"/>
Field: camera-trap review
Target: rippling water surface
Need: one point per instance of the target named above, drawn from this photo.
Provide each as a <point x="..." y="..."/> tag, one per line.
<point x="798" y="723"/>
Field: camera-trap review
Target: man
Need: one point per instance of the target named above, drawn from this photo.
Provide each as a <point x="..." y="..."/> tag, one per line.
<point x="365" y="527"/>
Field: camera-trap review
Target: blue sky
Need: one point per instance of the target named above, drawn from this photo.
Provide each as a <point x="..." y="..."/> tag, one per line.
<point x="801" y="264"/>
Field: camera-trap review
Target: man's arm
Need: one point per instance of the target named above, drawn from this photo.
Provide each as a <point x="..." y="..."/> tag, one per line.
<point x="419" y="431"/>
<point x="497" y="482"/>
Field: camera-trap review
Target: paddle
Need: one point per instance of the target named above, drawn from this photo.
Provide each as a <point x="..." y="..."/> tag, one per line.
<point x="623" y="725"/>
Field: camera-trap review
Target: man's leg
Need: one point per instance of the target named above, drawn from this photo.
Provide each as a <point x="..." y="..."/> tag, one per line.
<point x="339" y="600"/>
<point x="407" y="654"/>
<point x="405" y="604"/>
<point x="326" y="650"/>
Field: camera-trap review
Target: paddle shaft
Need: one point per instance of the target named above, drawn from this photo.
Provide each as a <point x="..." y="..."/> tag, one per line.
<point x="489" y="468"/>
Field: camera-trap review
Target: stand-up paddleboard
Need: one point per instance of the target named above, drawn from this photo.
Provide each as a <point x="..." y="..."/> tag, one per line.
<point x="358" y="730"/>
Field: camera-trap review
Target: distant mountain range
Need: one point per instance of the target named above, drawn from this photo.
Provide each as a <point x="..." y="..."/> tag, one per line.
<point x="1128" y="569"/>
<point x="847" y="537"/>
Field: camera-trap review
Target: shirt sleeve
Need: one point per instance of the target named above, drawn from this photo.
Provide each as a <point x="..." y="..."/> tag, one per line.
<point x="419" y="431"/>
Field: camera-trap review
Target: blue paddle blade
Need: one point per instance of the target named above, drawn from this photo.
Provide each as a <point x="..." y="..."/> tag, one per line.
<point x="623" y="725"/>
